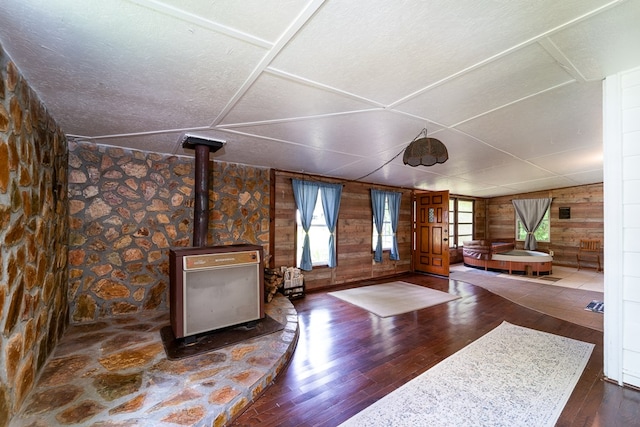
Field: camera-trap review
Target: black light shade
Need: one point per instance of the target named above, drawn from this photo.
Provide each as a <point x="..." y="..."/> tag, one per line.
<point x="425" y="151"/>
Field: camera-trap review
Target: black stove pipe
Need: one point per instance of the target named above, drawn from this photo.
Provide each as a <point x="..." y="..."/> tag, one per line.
<point x="203" y="147"/>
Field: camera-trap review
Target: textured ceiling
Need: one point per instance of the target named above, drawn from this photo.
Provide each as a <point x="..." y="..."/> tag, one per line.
<point x="338" y="88"/>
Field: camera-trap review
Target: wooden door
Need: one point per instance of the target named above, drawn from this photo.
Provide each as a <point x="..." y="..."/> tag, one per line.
<point x="431" y="233"/>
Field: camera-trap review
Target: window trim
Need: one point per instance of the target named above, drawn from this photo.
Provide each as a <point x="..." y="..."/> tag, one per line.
<point x="454" y="235"/>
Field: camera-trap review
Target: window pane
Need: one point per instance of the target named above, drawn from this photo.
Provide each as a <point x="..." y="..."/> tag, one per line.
<point x="465" y="217"/>
<point x="319" y="238"/>
<point x="521" y="233"/>
<point x="542" y="234"/>
<point x="452" y="228"/>
<point x="465" y="229"/>
<point x="387" y="232"/>
<point x="465" y="205"/>
<point x="461" y="221"/>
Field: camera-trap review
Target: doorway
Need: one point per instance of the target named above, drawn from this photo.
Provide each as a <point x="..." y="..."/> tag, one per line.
<point x="431" y="232"/>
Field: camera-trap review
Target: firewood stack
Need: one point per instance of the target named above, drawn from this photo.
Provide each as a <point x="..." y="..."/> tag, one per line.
<point x="273" y="280"/>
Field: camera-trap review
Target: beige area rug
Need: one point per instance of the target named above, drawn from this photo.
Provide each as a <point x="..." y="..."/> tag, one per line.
<point x="512" y="376"/>
<point x="389" y="299"/>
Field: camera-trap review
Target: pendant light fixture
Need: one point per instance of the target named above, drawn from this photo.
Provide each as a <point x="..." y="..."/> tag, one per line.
<point x="425" y="151"/>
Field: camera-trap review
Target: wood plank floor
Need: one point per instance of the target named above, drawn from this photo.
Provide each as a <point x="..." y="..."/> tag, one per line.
<point x="347" y="358"/>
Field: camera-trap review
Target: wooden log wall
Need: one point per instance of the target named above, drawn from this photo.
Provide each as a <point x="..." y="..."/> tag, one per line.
<point x="353" y="234"/>
<point x="586" y="222"/>
<point x="480" y="219"/>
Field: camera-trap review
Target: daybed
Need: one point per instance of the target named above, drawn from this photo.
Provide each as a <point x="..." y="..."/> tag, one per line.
<point x="484" y="249"/>
<point x="499" y="254"/>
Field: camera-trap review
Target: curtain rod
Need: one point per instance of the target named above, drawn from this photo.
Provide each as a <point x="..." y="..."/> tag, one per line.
<point x="322" y="182"/>
<point x="511" y="200"/>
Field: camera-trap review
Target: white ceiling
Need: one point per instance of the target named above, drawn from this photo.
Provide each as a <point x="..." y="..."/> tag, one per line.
<point x="339" y="88"/>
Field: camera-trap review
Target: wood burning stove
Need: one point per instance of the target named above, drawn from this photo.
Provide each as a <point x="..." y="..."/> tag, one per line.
<point x="215" y="287"/>
<point x="212" y="287"/>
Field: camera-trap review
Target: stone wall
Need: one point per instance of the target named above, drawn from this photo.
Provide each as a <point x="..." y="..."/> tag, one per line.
<point x="239" y="205"/>
<point x="33" y="237"/>
<point x="128" y="208"/>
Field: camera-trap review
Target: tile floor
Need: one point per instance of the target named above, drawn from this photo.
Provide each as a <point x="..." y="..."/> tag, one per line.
<point x="565" y="298"/>
<point x="587" y="280"/>
<point x="115" y="373"/>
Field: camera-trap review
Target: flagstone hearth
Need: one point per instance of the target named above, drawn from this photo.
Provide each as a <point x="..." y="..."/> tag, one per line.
<point x="115" y="372"/>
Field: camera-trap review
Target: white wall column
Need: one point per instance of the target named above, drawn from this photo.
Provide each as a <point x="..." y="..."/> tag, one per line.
<point x="621" y="112"/>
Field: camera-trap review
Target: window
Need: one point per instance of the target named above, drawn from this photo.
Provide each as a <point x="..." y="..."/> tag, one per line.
<point x="318" y="235"/>
<point x="385" y="207"/>
<point x="542" y="234"/>
<point x="460" y="221"/>
<point x="387" y="231"/>
<point x="318" y="205"/>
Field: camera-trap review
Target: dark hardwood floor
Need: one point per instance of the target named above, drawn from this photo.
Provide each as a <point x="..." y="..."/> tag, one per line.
<point x="347" y="358"/>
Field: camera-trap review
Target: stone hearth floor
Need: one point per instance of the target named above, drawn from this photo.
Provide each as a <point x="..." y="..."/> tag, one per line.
<point x="115" y="372"/>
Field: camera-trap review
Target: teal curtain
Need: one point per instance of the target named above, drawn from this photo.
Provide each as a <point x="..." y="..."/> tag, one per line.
<point x="394" y="211"/>
<point x="305" y="194"/>
<point x="331" y="194"/>
<point x="377" y="204"/>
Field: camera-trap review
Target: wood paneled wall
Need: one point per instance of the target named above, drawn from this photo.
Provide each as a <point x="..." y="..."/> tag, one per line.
<point x="586" y="222"/>
<point x="480" y="219"/>
<point x="353" y="235"/>
<point x="494" y="218"/>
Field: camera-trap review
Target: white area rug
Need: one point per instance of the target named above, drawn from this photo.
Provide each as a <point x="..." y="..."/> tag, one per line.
<point x="512" y="376"/>
<point x="389" y="299"/>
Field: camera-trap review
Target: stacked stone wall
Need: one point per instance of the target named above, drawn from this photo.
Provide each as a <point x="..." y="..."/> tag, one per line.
<point x="239" y="205"/>
<point x="128" y="208"/>
<point x="33" y="237"/>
